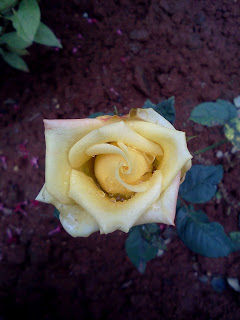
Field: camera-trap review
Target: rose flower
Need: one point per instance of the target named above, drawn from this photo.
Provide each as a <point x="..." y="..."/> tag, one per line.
<point x="111" y="173"/>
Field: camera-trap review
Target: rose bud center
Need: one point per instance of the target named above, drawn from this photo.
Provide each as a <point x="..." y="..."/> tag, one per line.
<point x="138" y="169"/>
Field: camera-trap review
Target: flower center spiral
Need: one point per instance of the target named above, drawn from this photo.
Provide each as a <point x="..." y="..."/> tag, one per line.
<point x="118" y="175"/>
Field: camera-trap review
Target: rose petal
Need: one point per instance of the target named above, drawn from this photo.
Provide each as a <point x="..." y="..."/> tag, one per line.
<point x="115" y="132"/>
<point x="60" y="136"/>
<point x="173" y="143"/>
<point x="164" y="209"/>
<point x="75" y="220"/>
<point x="111" y="160"/>
<point x="185" y="168"/>
<point x="112" y="215"/>
<point x="105" y="148"/>
<point x="152" y="116"/>
<point x="141" y="187"/>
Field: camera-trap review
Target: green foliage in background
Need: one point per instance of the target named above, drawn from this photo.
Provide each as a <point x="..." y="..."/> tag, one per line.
<point x="222" y="113"/>
<point x="143" y="243"/>
<point x="164" y="108"/>
<point x="20" y="27"/>
<point x="200" y="184"/>
<point x="213" y="113"/>
<point x="202" y="236"/>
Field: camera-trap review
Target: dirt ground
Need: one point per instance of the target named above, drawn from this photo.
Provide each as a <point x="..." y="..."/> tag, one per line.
<point x="124" y="53"/>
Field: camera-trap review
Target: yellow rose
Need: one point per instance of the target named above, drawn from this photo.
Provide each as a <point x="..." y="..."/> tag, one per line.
<point x="114" y="172"/>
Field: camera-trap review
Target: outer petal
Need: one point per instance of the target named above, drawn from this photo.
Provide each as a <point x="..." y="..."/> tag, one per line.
<point x="186" y="167"/>
<point x="112" y="215"/>
<point x="60" y="136"/>
<point x="151" y="116"/>
<point x="75" y="220"/>
<point x="164" y="209"/>
<point x="173" y="143"/>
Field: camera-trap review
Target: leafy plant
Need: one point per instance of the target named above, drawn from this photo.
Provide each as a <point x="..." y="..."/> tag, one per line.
<point x="27" y="28"/>
<point x="140" y="245"/>
<point x="221" y="112"/>
<point x="164" y="108"/>
<point x="201" y="182"/>
<point x="202" y="236"/>
<point x="213" y="113"/>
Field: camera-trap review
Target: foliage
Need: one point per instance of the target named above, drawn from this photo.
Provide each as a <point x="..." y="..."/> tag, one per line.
<point x="164" y="108"/>
<point x="98" y="114"/>
<point x="56" y="213"/>
<point x="202" y="236"/>
<point x="213" y="113"/>
<point x="27" y="28"/>
<point x="232" y="131"/>
<point x="200" y="184"/>
<point x="221" y="112"/>
<point x="140" y="246"/>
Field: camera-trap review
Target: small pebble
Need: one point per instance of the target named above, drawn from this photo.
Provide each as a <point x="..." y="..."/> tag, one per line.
<point x="195" y="266"/>
<point x="160" y="253"/>
<point x="234" y="150"/>
<point x="228" y="211"/>
<point x="236" y="102"/>
<point x="234" y="283"/>
<point x="167" y="241"/>
<point x="219" y="154"/>
<point x="15" y="168"/>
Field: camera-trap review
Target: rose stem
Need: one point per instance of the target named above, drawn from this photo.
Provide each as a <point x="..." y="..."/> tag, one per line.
<point x="210" y="147"/>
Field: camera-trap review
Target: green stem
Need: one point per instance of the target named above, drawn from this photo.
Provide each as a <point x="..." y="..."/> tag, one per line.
<point x="116" y="113"/>
<point x="210" y="147"/>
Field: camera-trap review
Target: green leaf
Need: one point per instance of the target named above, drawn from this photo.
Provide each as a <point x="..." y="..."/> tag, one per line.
<point x="202" y="236"/>
<point x="200" y="184"/>
<point x="20" y="52"/>
<point x="98" y="114"/>
<point x="45" y="36"/>
<point x="178" y="205"/>
<point x="14" y="60"/>
<point x="7" y="4"/>
<point x="235" y="236"/>
<point x="213" y="113"/>
<point x="151" y="233"/>
<point x="13" y="40"/>
<point x="56" y="213"/>
<point x="164" y="108"/>
<point x="138" y="249"/>
<point x="232" y="132"/>
<point x="26" y="20"/>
